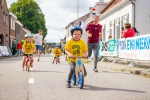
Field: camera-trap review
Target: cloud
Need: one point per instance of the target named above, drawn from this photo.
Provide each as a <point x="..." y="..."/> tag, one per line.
<point x="59" y="13"/>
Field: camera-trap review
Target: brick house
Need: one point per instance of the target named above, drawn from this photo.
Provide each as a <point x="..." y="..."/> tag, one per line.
<point x="12" y="31"/>
<point x="19" y="30"/>
<point x="4" y="22"/>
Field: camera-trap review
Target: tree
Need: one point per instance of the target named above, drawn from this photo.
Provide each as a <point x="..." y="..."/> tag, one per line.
<point x="29" y="13"/>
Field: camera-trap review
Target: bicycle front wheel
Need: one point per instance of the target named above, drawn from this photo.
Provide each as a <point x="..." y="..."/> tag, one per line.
<point x="28" y="66"/>
<point x="80" y="80"/>
<point x="73" y="79"/>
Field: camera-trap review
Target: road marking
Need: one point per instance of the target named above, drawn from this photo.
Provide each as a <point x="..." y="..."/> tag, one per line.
<point x="31" y="80"/>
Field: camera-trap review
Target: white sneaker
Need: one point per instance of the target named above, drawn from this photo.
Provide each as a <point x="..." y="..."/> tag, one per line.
<point x="90" y="58"/>
<point x="31" y="68"/>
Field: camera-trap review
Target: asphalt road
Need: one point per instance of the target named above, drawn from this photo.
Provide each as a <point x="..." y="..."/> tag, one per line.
<point x="47" y="82"/>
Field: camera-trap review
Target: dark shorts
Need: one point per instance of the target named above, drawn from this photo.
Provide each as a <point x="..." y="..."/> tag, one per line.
<point x="38" y="47"/>
<point x="56" y="57"/>
<point x="27" y="55"/>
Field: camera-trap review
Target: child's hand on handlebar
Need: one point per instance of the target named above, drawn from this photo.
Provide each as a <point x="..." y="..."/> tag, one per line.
<point x="71" y="56"/>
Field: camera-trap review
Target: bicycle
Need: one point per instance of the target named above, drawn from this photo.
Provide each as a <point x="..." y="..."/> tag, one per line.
<point x="28" y="63"/>
<point x="78" y="76"/>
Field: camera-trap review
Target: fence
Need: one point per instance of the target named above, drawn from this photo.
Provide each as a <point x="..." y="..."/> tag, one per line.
<point x="135" y="49"/>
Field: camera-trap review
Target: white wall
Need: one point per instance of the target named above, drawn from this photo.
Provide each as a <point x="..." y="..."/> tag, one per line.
<point x="83" y="25"/>
<point x="142" y="19"/>
<point x="116" y="16"/>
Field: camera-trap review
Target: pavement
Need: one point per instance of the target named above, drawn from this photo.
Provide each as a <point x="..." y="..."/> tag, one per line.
<point x="143" y="69"/>
<point x="47" y="82"/>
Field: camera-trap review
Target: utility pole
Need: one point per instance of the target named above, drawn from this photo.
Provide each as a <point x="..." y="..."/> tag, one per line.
<point x="77" y="11"/>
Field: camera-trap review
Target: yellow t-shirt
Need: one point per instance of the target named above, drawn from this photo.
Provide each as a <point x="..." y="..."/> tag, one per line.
<point x="56" y="52"/>
<point x="28" y="47"/>
<point x="76" y="48"/>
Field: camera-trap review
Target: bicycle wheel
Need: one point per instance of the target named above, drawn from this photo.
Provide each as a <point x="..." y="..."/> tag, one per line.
<point x="80" y="80"/>
<point x="73" y="79"/>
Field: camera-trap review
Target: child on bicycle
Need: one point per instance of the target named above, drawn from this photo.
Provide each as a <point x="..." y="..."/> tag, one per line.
<point x="27" y="49"/>
<point x="57" y="53"/>
<point x="75" y="47"/>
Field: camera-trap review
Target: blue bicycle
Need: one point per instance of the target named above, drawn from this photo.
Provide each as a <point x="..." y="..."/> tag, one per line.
<point x="78" y="77"/>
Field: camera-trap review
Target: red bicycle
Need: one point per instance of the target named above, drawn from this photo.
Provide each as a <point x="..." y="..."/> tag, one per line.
<point x="28" y="63"/>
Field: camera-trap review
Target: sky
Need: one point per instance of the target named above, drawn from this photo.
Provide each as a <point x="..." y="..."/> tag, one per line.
<point x="59" y="13"/>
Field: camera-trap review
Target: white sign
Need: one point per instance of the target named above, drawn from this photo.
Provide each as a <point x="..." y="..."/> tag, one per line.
<point x="4" y="51"/>
<point x="135" y="48"/>
<point x="108" y="48"/>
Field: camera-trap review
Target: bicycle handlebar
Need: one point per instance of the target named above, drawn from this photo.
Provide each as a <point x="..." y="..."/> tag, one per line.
<point x="77" y="57"/>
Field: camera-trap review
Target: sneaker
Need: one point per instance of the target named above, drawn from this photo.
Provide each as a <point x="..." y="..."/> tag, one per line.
<point x="68" y="84"/>
<point x="31" y="68"/>
<point x="53" y="62"/>
<point x="38" y="59"/>
<point x="59" y="61"/>
<point x="90" y="58"/>
<point x="96" y="70"/>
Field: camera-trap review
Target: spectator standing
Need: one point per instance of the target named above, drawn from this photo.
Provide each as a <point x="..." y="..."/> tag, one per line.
<point x="19" y="48"/>
<point x="128" y="32"/>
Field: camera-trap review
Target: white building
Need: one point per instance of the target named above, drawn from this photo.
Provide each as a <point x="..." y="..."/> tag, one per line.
<point x="117" y="12"/>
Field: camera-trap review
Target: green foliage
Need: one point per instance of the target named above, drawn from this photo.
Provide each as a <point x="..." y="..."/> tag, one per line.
<point x="30" y="15"/>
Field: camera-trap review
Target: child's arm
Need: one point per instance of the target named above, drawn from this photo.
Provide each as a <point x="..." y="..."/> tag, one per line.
<point x="85" y="53"/>
<point x="69" y="54"/>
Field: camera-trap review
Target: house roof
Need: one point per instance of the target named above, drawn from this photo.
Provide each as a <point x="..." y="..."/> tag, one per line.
<point x="10" y="13"/>
<point x="111" y="4"/>
<point x="83" y="18"/>
<point x="26" y="30"/>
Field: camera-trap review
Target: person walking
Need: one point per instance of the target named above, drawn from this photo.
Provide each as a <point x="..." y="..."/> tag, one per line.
<point x="93" y="31"/>
<point x="14" y="47"/>
<point x="19" y="48"/>
<point x="38" y="43"/>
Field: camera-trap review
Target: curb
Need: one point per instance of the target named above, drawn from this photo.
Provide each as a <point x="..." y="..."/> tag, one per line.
<point x="131" y="70"/>
<point x="7" y="57"/>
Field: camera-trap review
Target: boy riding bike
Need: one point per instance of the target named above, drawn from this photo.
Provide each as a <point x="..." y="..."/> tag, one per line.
<point x="27" y="48"/>
<point x="57" y="53"/>
<point x="75" y="47"/>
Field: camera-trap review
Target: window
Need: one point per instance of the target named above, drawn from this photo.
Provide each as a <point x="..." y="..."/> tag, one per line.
<point x="4" y="17"/>
<point x="125" y="19"/>
<point x="117" y="29"/>
<point x="11" y="23"/>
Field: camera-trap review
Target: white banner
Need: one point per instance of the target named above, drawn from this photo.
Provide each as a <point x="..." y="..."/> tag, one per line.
<point x="135" y="48"/>
<point x="108" y="48"/>
<point x="4" y="51"/>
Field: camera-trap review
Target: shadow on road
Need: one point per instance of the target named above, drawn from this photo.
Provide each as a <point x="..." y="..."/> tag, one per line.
<point x="46" y="71"/>
<point x="95" y="88"/>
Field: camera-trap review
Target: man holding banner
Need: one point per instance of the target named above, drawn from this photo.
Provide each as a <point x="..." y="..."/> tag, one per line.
<point x="93" y="31"/>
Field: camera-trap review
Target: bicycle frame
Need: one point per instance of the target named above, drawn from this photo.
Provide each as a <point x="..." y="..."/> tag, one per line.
<point x="79" y="67"/>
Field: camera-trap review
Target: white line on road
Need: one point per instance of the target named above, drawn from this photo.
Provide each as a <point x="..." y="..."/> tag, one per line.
<point x="31" y="80"/>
